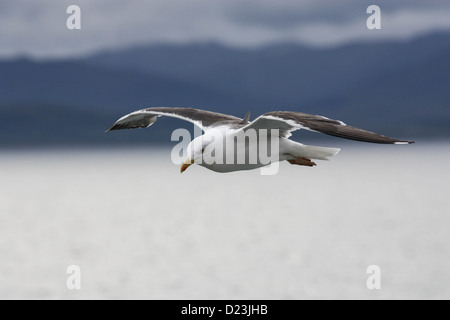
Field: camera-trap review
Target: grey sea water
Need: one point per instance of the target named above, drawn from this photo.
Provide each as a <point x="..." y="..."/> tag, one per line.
<point x="139" y="229"/>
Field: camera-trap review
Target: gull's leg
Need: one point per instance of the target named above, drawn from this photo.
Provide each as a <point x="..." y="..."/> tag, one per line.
<point x="301" y="161"/>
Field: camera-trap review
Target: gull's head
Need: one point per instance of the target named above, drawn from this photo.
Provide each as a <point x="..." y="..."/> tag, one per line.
<point x="194" y="153"/>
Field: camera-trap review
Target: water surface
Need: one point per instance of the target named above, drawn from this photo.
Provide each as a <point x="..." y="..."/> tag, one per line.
<point x="140" y="229"/>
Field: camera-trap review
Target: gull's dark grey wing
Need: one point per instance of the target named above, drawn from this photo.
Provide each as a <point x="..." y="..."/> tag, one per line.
<point x="146" y="117"/>
<point x="288" y="121"/>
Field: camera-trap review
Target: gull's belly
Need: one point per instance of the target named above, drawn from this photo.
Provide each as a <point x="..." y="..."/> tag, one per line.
<point x="241" y="155"/>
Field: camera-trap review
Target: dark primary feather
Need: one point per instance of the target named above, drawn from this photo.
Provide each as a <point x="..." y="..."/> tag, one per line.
<point x="333" y="127"/>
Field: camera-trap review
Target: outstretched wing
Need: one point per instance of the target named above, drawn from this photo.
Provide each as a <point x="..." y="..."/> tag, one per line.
<point x="288" y="121"/>
<point x="146" y="117"/>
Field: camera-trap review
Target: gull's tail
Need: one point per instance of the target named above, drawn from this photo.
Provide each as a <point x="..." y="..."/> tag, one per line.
<point x="311" y="152"/>
<point x="320" y="153"/>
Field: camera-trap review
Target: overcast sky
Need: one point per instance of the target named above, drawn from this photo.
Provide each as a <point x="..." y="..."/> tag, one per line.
<point x="38" y="27"/>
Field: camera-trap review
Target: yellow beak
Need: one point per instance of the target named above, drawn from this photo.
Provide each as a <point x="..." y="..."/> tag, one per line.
<point x="186" y="164"/>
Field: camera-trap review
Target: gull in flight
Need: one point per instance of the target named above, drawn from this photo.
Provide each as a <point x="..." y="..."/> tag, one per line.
<point x="279" y="124"/>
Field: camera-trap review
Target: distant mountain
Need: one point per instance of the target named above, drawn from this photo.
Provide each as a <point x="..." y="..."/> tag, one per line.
<point x="283" y="75"/>
<point x="397" y="88"/>
<point x="88" y="86"/>
<point x="72" y="102"/>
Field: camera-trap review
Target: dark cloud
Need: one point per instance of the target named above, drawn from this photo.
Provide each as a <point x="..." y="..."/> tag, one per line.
<point x="288" y="14"/>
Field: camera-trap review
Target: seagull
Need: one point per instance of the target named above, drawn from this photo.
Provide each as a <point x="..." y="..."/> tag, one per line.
<point x="276" y="124"/>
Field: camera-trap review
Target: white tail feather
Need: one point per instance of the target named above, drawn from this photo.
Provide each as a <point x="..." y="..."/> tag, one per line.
<point x="312" y="152"/>
<point x="320" y="153"/>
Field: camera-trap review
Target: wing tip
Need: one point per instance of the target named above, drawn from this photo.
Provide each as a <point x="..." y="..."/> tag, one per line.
<point x="126" y="123"/>
<point x="115" y="126"/>
<point x="404" y="142"/>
